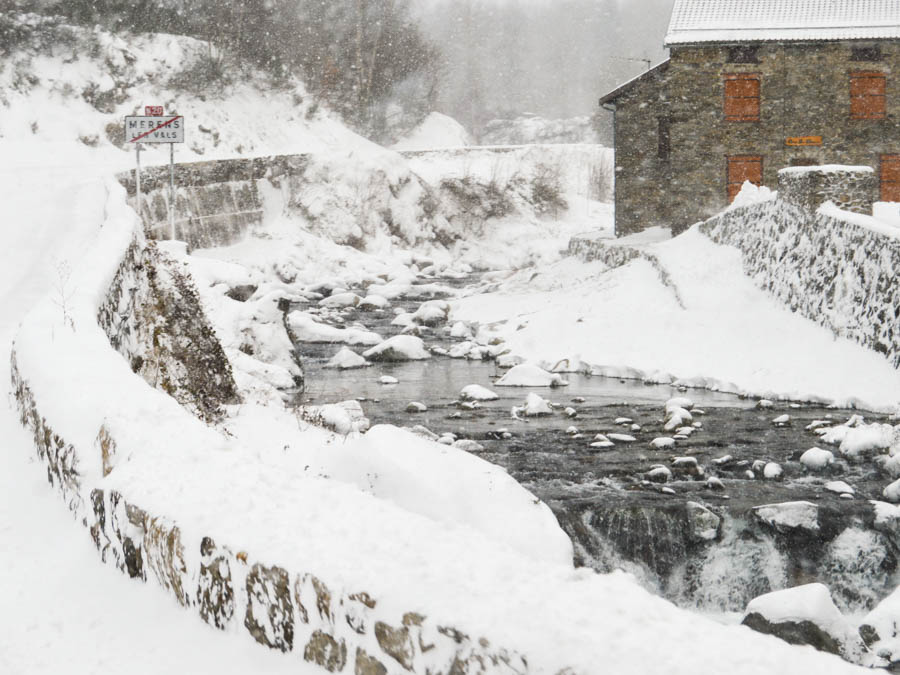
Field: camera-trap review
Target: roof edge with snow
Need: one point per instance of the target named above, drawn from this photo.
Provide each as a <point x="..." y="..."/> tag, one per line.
<point x="729" y="21"/>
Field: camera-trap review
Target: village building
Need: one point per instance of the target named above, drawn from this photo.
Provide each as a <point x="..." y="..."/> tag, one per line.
<point x="751" y="87"/>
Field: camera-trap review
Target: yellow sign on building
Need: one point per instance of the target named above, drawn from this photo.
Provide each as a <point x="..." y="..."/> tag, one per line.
<point x="803" y="140"/>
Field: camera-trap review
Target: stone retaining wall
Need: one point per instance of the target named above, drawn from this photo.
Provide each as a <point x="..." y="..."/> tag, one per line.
<point x="611" y="254"/>
<point x="342" y="630"/>
<point x="836" y="272"/>
<point x="215" y="202"/>
<point x="850" y="188"/>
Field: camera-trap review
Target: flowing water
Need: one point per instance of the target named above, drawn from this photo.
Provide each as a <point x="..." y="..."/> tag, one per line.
<point x="697" y="545"/>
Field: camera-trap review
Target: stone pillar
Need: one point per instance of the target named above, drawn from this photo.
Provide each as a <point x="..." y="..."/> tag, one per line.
<point x="851" y="188"/>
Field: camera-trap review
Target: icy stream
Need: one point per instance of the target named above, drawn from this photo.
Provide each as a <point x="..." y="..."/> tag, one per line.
<point x="698" y="543"/>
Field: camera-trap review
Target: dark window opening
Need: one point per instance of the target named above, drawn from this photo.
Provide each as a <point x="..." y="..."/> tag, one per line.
<point x="665" y="139"/>
<point x="743" y="54"/>
<point x="866" y="53"/>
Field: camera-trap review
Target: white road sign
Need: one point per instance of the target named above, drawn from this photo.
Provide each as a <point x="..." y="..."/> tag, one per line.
<point x="145" y="129"/>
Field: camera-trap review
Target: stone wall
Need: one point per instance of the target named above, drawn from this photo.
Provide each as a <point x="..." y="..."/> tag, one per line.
<point x="589" y="249"/>
<point x="216" y="202"/>
<point x="153" y="317"/>
<point x="839" y="273"/>
<point x="341" y="630"/>
<point x="850" y="188"/>
<point x="300" y="612"/>
<point x="804" y="92"/>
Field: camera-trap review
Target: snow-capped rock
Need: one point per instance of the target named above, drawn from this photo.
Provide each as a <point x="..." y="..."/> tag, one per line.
<point x="788" y="517"/>
<point x="398" y="348"/>
<point x="346" y="359"/>
<point x="306" y="329"/>
<point x="803" y="615"/>
<point x="535" y="406"/>
<point x="341" y="300"/>
<point x="530" y="375"/>
<point x="816" y="459"/>
<point x="475" y="392"/>
<point x="662" y="442"/>
<point x="432" y="313"/>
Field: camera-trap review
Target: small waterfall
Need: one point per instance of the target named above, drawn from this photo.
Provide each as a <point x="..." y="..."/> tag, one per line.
<point x="730" y="572"/>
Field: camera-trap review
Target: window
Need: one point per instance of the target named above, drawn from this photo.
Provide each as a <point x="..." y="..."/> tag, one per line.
<point x="867" y="96"/>
<point x="742" y="168"/>
<point x="890" y="178"/>
<point x="665" y="138"/>
<point x="742" y="97"/>
<point x="866" y="53"/>
<point x="743" y="54"/>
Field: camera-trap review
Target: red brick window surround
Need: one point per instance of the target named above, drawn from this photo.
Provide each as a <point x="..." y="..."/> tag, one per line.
<point x="742" y="97"/>
<point x="867" y="96"/>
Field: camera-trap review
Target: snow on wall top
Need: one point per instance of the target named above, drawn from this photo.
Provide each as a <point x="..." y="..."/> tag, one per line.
<point x="760" y="20"/>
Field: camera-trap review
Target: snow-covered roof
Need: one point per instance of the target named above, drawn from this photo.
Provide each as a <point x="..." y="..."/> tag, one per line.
<point x="793" y="20"/>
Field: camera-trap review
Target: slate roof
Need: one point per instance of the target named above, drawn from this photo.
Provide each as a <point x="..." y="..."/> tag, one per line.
<point x="696" y="21"/>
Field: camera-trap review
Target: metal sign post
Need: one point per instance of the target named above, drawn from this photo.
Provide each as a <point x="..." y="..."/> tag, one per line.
<point x="154" y="127"/>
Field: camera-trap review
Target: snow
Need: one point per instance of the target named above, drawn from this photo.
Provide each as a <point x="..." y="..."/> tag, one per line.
<point x="790" y="515"/>
<point x="435" y="131"/>
<point x="809" y="602"/>
<point x="346" y="359"/>
<point x="736" y="21"/>
<point x="535" y="405"/>
<point x="725" y="334"/>
<point x="839" y="487"/>
<point x="439" y="530"/>
<point x="475" y="392"/>
<point x="398" y="348"/>
<point x="307" y="329"/>
<point x="530" y="375"/>
<point x="816" y="459"/>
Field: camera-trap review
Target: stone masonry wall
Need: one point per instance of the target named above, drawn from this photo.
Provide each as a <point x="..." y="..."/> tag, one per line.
<point x="835" y="272"/>
<point x="153" y="317"/>
<point x="589" y="249"/>
<point x="849" y="188"/>
<point x="215" y="202"/>
<point x="341" y="630"/>
<point x="804" y="92"/>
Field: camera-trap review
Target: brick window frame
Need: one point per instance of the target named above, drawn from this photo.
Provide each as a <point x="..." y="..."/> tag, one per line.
<point x="742" y="97"/>
<point x="868" y="95"/>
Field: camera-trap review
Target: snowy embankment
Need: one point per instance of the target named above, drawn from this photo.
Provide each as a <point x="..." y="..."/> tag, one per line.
<point x="836" y="268"/>
<point x="195" y="509"/>
<point x="680" y="311"/>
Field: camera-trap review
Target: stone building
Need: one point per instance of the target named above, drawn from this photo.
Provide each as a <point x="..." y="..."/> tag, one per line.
<point x="751" y="87"/>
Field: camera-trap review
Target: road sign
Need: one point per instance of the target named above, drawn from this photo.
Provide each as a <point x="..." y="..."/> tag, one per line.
<point x="154" y="129"/>
<point x="154" y="110"/>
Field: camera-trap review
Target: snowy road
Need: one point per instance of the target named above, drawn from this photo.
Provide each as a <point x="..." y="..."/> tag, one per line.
<point x="64" y="612"/>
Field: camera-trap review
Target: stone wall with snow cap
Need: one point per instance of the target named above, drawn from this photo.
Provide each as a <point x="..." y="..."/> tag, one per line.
<point x="833" y="267"/>
<point x="850" y="188"/>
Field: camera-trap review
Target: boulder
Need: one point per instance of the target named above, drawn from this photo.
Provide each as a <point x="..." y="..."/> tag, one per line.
<point x="704" y="524"/>
<point x="475" y="392"/>
<point x="398" y="348"/>
<point x="803" y="615"/>
<point x="346" y="359"/>
<point x="529" y="375"/>
<point x="789" y="517"/>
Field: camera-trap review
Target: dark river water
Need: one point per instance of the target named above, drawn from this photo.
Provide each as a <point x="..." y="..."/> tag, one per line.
<point x="602" y="498"/>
